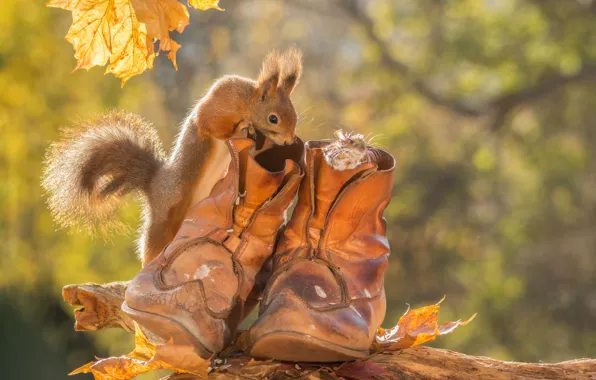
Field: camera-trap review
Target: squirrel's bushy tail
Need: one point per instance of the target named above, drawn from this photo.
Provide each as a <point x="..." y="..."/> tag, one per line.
<point x="95" y="165"/>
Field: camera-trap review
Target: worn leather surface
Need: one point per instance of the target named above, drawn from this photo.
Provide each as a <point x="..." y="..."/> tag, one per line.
<point x="328" y="268"/>
<point x="203" y="279"/>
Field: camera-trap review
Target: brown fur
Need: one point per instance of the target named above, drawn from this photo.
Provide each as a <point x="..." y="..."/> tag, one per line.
<point x="82" y="168"/>
<point x="95" y="164"/>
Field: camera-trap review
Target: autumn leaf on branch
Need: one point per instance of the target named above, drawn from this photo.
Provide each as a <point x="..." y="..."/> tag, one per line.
<point x="123" y="32"/>
<point x="415" y="327"/>
<point x="147" y="357"/>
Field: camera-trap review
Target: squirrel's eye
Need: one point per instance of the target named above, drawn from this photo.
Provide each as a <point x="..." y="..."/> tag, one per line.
<point x="273" y="119"/>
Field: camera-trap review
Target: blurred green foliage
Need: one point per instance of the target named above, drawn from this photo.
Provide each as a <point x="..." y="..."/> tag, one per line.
<point x="488" y="107"/>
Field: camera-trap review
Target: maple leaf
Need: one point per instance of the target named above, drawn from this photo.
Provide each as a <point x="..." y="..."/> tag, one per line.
<point x="114" y="368"/>
<point x="147" y="357"/>
<point x="180" y="359"/>
<point x="123" y="32"/>
<point x="161" y="17"/>
<point x="91" y="31"/>
<point x="204" y="4"/>
<point x="144" y="350"/>
<point x="108" y="29"/>
<point x="415" y="327"/>
<point x="132" y="48"/>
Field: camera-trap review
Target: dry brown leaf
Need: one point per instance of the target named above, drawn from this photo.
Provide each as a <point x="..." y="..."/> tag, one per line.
<point x="415" y="327"/>
<point x="147" y="357"/>
<point x="161" y="17"/>
<point x="124" y="31"/>
<point x="180" y="359"/>
<point x="204" y="4"/>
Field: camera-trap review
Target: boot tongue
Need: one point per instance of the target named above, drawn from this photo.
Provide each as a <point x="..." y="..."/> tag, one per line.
<point x="328" y="183"/>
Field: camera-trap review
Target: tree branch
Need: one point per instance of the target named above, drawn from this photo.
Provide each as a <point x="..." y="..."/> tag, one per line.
<point x="431" y="363"/>
<point x="505" y="102"/>
<point x="543" y="87"/>
<point x="353" y="10"/>
<point x="102" y="310"/>
<point x="100" y="306"/>
<point x="410" y="364"/>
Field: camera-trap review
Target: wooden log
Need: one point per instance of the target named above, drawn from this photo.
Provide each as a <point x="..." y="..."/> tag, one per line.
<point x="100" y="305"/>
<point x="101" y="309"/>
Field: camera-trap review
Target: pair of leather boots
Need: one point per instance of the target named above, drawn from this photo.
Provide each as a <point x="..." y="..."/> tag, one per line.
<point x="318" y="279"/>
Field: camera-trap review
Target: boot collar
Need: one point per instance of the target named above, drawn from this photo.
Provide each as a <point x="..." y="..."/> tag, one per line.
<point x="378" y="160"/>
<point x="326" y="183"/>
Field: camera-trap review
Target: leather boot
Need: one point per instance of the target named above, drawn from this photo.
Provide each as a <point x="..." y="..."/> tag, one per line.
<point x="326" y="299"/>
<point x="195" y="291"/>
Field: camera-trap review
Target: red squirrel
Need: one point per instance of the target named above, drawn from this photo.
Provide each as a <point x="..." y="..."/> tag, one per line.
<point x="97" y="163"/>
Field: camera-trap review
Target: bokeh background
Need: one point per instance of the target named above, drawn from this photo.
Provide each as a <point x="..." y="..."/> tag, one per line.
<point x="489" y="107"/>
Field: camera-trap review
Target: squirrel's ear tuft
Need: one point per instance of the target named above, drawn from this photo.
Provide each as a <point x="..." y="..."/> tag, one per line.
<point x="269" y="75"/>
<point x="291" y="69"/>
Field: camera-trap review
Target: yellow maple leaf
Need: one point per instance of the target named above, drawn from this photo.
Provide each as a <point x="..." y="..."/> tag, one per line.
<point x="132" y="48"/>
<point x="123" y="32"/>
<point x="415" y="327"/>
<point x="144" y="350"/>
<point x="204" y="4"/>
<point x="90" y="32"/>
<point x="108" y="29"/>
<point x="147" y="357"/>
<point x="64" y="4"/>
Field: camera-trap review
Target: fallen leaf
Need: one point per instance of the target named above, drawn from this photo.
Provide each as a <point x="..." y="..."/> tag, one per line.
<point x="147" y="357"/>
<point x="180" y="359"/>
<point x="114" y="368"/>
<point x="205" y="4"/>
<point x="144" y="350"/>
<point x="360" y="370"/>
<point x="285" y="366"/>
<point x="415" y="327"/>
<point x="179" y="376"/>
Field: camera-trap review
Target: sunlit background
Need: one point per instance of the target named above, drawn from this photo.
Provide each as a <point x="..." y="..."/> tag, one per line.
<point x="488" y="106"/>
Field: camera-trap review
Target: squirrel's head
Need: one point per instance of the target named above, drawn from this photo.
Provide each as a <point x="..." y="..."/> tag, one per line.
<point x="273" y="113"/>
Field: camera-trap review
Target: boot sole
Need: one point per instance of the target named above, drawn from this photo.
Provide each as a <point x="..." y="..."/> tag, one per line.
<point x="291" y="346"/>
<point x="170" y="329"/>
